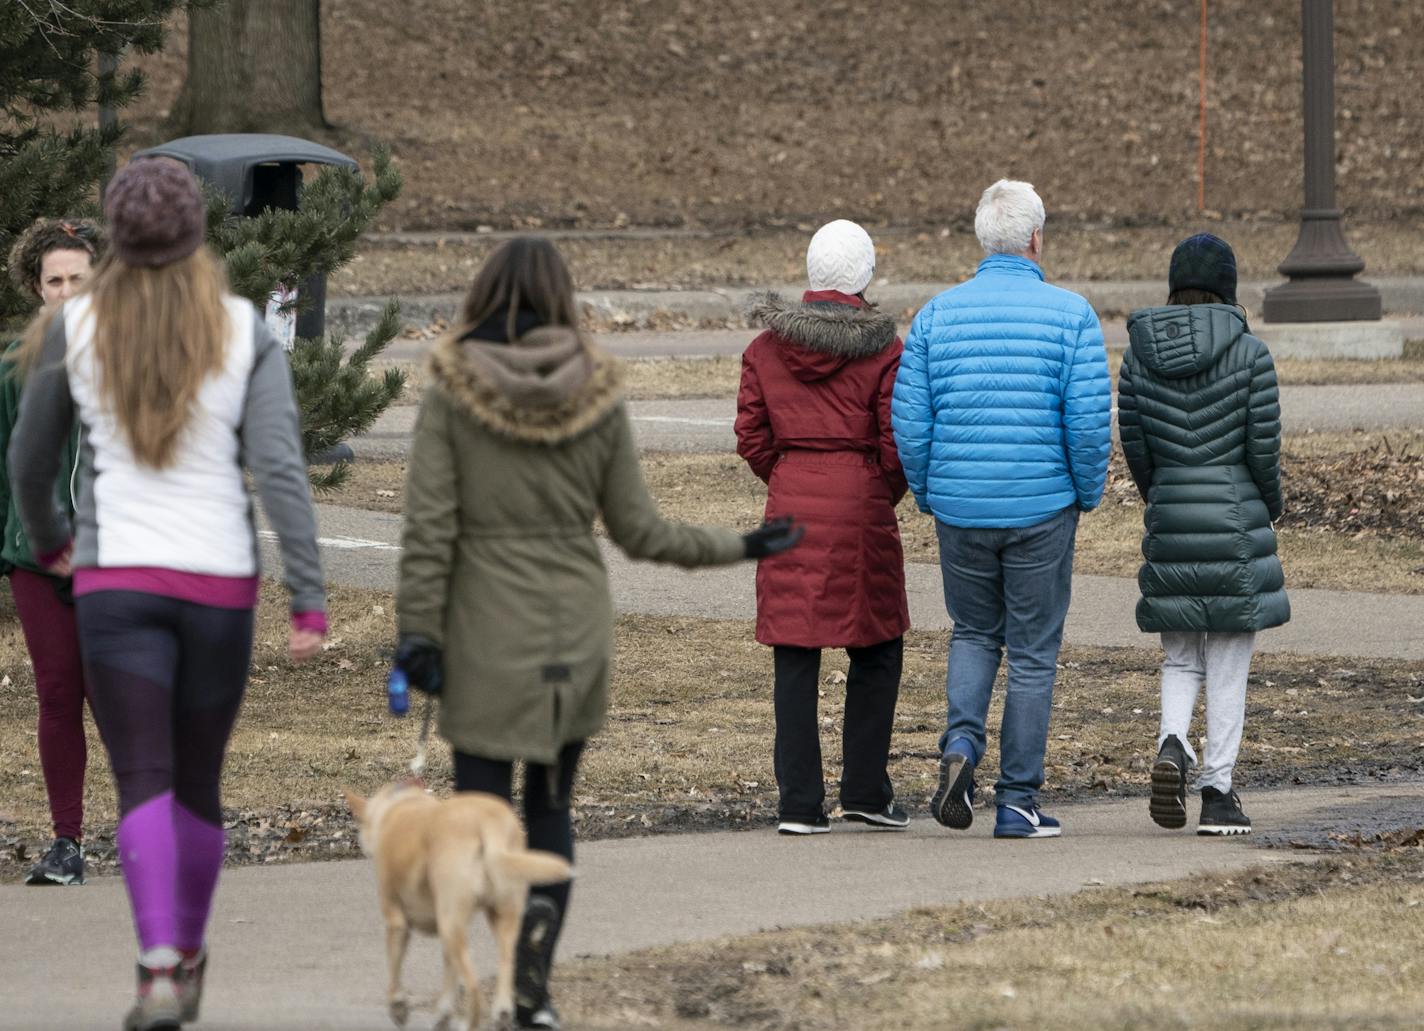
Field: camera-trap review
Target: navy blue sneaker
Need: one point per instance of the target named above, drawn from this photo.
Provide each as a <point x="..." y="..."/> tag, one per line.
<point x="1025" y="822"/>
<point x="62" y="864"/>
<point x="953" y="801"/>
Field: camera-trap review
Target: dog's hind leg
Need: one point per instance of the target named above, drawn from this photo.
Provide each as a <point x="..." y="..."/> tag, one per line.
<point x="449" y="1000"/>
<point x="504" y="921"/>
<point x="454" y="926"/>
<point x="397" y="938"/>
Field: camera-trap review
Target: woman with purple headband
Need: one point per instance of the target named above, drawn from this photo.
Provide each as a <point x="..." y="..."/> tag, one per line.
<point x="178" y="387"/>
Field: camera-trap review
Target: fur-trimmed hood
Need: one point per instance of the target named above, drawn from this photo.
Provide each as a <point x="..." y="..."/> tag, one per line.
<point x="838" y="330"/>
<point x="524" y="401"/>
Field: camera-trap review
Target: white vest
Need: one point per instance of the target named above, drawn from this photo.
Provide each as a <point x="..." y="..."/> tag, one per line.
<point x="195" y="515"/>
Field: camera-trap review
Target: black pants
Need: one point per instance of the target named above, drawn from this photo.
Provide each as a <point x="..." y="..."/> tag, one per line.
<point x="872" y="687"/>
<point x="547" y="790"/>
<point x="167" y="679"/>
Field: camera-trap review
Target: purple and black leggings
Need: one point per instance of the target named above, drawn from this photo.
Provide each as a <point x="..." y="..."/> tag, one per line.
<point x="166" y="679"/>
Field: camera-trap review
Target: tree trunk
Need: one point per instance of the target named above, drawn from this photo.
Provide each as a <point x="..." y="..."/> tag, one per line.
<point x="253" y="66"/>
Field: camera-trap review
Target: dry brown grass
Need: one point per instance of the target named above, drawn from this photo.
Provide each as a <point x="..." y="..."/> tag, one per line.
<point x="671" y="379"/>
<point x="719" y="489"/>
<point x="688" y="744"/>
<point x="683" y="379"/>
<point x="764" y="257"/>
<point x="1330" y="944"/>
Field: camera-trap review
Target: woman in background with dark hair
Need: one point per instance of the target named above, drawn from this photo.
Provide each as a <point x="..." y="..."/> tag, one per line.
<point x="52" y="259"/>
<point x="1200" y="417"/>
<point x="522" y="441"/>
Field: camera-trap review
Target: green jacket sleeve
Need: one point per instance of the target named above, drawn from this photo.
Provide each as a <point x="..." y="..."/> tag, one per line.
<point x="638" y="528"/>
<point x="1263" y="431"/>
<point x="1129" y="425"/>
<point x="9" y="412"/>
<point x="431" y="523"/>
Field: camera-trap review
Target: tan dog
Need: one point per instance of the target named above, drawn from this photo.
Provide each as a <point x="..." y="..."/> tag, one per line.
<point x="437" y="862"/>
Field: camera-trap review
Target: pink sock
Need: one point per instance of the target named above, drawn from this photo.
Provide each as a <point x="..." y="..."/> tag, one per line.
<point x="148" y="852"/>
<point x="200" y="857"/>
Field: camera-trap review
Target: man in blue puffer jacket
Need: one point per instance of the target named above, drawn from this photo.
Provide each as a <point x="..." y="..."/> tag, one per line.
<point x="1002" y="416"/>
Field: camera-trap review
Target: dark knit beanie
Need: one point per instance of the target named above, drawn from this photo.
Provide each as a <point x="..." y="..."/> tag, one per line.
<point x="155" y="212"/>
<point x="1204" y="262"/>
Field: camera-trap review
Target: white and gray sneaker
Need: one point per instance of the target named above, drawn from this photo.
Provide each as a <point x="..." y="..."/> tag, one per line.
<point x="891" y="818"/>
<point x="158" y="1007"/>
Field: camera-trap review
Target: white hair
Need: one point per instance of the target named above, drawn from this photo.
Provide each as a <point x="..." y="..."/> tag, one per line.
<point x="1008" y="213"/>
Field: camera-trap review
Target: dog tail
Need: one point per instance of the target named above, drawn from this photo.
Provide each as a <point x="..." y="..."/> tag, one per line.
<point x="531" y="866"/>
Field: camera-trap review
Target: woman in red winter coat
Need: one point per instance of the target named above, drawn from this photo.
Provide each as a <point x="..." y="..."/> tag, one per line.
<point x="813" y="421"/>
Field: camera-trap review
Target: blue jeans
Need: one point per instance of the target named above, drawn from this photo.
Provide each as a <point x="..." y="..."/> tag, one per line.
<point x="1006" y="589"/>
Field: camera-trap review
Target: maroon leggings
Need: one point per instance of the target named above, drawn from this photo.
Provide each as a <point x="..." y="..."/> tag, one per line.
<point x="52" y="637"/>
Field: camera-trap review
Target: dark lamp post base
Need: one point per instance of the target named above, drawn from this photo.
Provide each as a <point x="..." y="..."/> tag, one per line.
<point x="1322" y="299"/>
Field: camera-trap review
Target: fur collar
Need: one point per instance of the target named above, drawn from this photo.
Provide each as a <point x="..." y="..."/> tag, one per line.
<point x="475" y="393"/>
<point x="835" y="329"/>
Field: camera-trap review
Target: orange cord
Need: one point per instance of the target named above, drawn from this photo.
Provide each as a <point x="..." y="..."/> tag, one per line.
<point x="1201" y="129"/>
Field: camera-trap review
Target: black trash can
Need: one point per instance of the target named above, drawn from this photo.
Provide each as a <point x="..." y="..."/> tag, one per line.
<point x="258" y="171"/>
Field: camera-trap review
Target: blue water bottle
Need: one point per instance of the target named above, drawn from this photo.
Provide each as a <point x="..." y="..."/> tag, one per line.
<point x="398" y="691"/>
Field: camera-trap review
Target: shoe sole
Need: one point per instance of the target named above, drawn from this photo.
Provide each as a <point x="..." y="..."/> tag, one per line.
<point x="800" y="830"/>
<point x="874" y="820"/>
<point x="66" y="881"/>
<point x="950" y="804"/>
<point x="1218" y="830"/>
<point x="1169" y="795"/>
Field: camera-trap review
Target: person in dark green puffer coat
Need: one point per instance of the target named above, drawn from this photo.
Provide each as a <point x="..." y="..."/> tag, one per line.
<point x="1200" y="420"/>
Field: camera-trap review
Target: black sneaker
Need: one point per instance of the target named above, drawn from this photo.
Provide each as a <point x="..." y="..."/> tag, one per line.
<point x="532" y="959"/>
<point x="891" y="818"/>
<point x="1169" y="785"/>
<point x="790" y="825"/>
<point x="62" y="864"/>
<point x="952" y="804"/>
<point x="1221" y="813"/>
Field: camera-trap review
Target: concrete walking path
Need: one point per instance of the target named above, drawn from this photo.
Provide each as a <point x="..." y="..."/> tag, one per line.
<point x="705" y="426"/>
<point x="301" y="946"/>
<point x="361" y="549"/>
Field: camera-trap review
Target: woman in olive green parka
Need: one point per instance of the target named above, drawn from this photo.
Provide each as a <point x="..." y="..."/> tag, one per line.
<point x="1200" y="419"/>
<point x="523" y="440"/>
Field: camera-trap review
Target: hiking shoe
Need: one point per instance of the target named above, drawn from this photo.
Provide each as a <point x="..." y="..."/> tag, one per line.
<point x="157" y="1007"/>
<point x="952" y="804"/>
<point x="1221" y="813"/>
<point x="1169" y="785"/>
<point x="533" y="957"/>
<point x="1025" y="822"/>
<point x="62" y="864"/>
<point x="820" y="825"/>
<point x="545" y="1017"/>
<point x="891" y="818"/>
<point x="189" y="983"/>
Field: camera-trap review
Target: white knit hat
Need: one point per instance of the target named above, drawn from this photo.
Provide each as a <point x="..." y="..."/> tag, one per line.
<point x="841" y="257"/>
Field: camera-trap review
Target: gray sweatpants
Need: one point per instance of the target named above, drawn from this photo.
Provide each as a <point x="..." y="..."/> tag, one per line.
<point x="1224" y="662"/>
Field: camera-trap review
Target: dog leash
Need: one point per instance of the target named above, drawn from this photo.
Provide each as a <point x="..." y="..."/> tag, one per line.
<point x="417" y="765"/>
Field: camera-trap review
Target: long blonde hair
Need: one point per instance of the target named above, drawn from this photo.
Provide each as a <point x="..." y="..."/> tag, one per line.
<point x="159" y="333"/>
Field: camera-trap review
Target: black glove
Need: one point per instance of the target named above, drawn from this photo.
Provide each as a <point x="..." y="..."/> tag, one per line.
<point x="422" y="662"/>
<point x="64" y="590"/>
<point x="772" y="538"/>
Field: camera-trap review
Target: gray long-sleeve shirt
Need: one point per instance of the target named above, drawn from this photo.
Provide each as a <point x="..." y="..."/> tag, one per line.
<point x="194" y="515"/>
